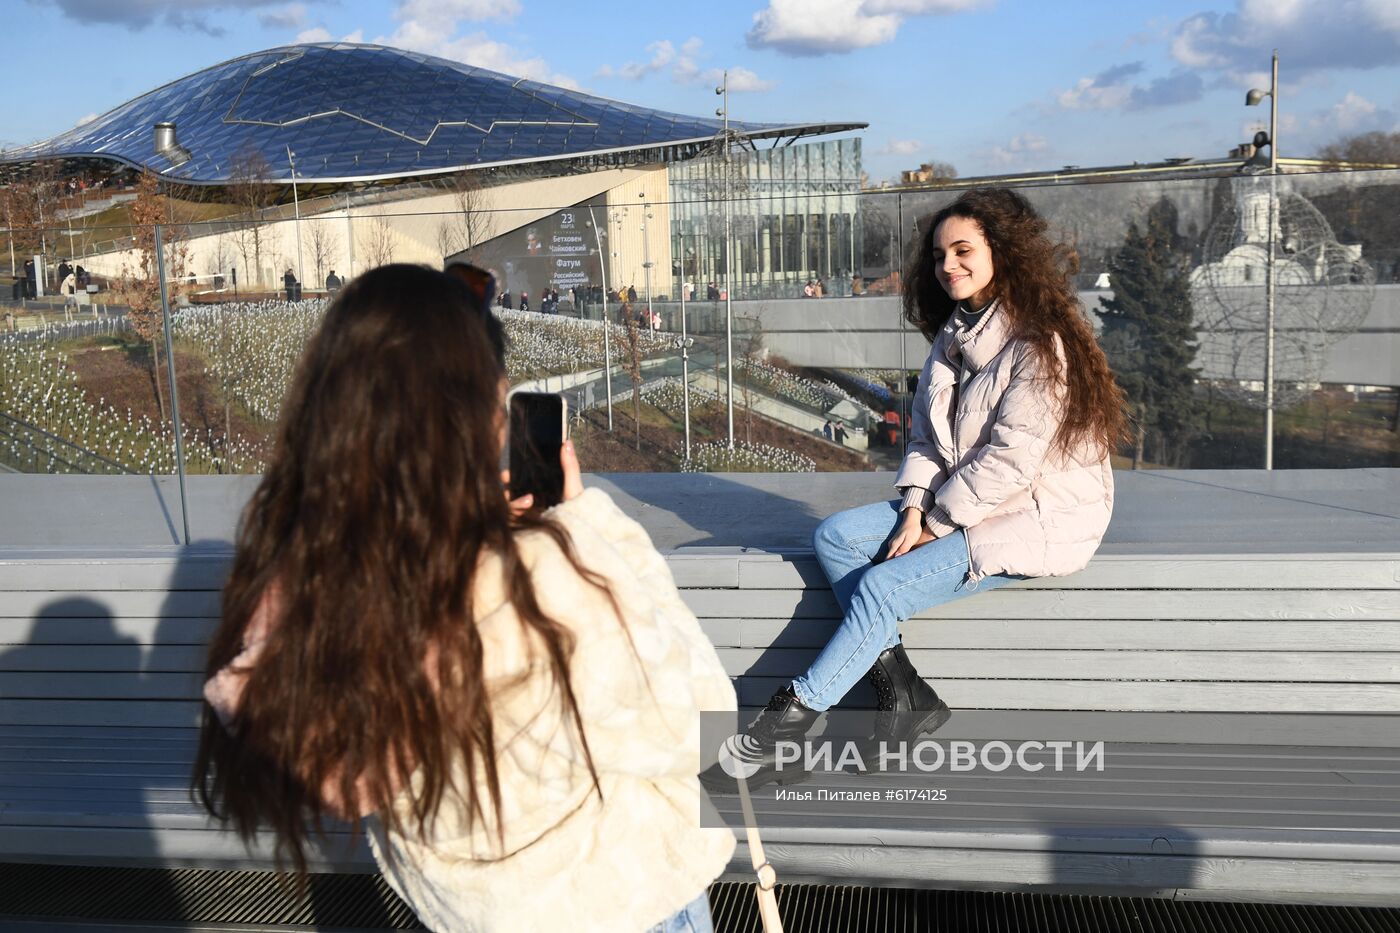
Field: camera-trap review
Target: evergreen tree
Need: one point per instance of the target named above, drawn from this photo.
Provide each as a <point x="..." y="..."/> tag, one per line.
<point x="1149" y="336"/>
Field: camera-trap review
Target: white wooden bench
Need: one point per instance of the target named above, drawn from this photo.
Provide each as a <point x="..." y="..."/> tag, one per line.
<point x="1252" y="706"/>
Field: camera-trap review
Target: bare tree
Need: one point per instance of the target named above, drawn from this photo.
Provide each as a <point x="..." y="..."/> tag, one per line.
<point x="446" y="238"/>
<point x="379" y="247"/>
<point x="471" y="222"/>
<point x="325" y="243"/>
<point x="30" y="202"/>
<point x="219" y="256"/>
<point x="250" y="187"/>
<point x="139" y="288"/>
<point x="634" y="363"/>
<point x="750" y="349"/>
<point x="1376" y="149"/>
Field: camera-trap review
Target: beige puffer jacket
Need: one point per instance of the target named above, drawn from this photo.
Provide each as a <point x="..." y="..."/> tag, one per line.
<point x="979" y="457"/>
<point x="641" y="681"/>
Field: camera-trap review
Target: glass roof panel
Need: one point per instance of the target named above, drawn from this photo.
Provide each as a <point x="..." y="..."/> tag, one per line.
<point x="350" y="110"/>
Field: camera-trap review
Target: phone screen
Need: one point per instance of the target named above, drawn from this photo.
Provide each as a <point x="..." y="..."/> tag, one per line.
<point x="537" y="426"/>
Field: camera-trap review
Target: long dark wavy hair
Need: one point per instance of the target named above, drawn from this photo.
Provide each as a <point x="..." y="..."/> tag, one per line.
<point x="1032" y="277"/>
<point x="380" y="502"/>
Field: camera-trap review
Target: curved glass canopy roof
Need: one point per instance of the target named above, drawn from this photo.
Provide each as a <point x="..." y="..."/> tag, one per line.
<point x="365" y="112"/>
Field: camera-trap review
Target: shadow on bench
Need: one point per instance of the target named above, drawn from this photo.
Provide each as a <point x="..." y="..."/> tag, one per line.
<point x="1248" y="707"/>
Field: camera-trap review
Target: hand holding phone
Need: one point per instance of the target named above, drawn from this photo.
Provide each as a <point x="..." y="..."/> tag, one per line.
<point x="538" y="429"/>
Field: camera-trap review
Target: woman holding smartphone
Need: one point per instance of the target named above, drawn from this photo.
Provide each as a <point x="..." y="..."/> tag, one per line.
<point x="1007" y="471"/>
<point x="507" y="700"/>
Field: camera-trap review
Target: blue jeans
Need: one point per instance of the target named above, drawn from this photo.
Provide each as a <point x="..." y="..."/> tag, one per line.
<point x="692" y="918"/>
<point x="874" y="598"/>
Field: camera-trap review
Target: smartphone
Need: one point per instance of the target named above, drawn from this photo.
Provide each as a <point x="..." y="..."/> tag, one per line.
<point x="539" y="425"/>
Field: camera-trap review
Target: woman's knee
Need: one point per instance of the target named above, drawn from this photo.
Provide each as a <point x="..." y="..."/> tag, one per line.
<point x="831" y="534"/>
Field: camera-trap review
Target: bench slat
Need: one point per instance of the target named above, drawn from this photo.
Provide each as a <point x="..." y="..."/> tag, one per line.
<point x="99" y="630"/>
<point x="104" y="685"/>
<point x="34" y="712"/>
<point x="166" y="847"/>
<point x="1134" y="573"/>
<point x="944" y="865"/>
<point x="154" y="573"/>
<point x="187" y="658"/>
<point x="1058" y="604"/>
<point x="1143" y="696"/>
<point x="970" y="814"/>
<point x="1294" y="666"/>
<point x="152" y="604"/>
<point x="1127" y="634"/>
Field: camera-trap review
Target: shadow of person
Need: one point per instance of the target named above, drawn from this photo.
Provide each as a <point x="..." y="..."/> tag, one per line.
<point x="81" y="777"/>
<point x="765" y="511"/>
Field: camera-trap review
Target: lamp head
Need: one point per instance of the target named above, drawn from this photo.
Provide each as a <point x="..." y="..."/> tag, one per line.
<point x="1254" y="97"/>
<point x="719" y="90"/>
<point x="1261" y="139"/>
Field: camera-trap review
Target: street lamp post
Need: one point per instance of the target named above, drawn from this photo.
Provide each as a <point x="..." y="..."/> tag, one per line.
<point x="607" y="344"/>
<point x="296" y="211"/>
<point x="646" y="254"/>
<point x="685" y="343"/>
<point x="723" y="111"/>
<point x="167" y="325"/>
<point x="1252" y="99"/>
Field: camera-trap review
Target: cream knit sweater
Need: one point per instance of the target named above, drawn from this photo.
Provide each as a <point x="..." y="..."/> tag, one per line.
<point x="569" y="860"/>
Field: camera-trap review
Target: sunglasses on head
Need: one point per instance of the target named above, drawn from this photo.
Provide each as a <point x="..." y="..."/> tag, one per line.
<point x="479" y="282"/>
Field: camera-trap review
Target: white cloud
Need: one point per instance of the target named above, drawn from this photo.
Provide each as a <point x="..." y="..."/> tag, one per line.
<point x="1018" y="151"/>
<point x="1088" y="94"/>
<point x="1352" y="115"/>
<point x="1107" y="90"/>
<point x="196" y="15"/>
<point x="900" y="147"/>
<point x="1314" y="35"/>
<point x="1114" y="89"/>
<point x="684" y="67"/>
<point x="1353" y="112"/>
<point x="662" y="52"/>
<point x="923" y="7"/>
<point x="322" y="34"/>
<point x="432" y="27"/>
<point x="477" y="49"/>
<point x="820" y="27"/>
<point x="291" y="16"/>
<point x="455" y="11"/>
<point x="741" y="80"/>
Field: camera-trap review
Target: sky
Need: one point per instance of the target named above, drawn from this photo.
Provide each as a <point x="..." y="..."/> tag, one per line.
<point x="989" y="86"/>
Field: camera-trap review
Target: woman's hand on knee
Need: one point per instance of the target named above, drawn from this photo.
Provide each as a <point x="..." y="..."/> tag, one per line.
<point x="909" y="534"/>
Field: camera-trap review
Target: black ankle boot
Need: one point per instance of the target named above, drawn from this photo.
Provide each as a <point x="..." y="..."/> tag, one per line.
<point x="908" y="707"/>
<point x="754" y="750"/>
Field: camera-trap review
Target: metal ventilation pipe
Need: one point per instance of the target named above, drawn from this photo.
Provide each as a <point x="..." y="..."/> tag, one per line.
<point x="169" y="146"/>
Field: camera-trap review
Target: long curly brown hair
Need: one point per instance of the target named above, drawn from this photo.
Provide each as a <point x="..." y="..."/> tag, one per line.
<point x="379" y="504"/>
<point x="1033" y="279"/>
